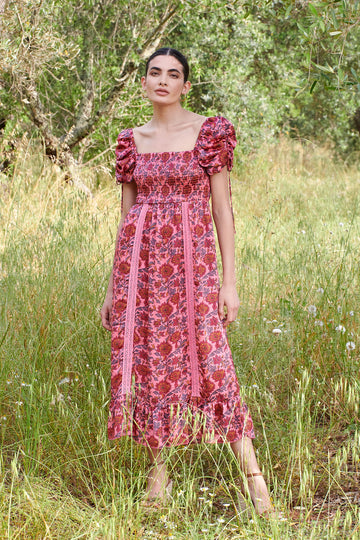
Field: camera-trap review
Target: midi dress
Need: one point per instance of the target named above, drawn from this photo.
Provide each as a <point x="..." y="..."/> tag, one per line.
<point x="173" y="380"/>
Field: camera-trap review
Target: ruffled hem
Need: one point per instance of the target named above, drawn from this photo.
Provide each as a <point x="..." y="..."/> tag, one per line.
<point x="125" y="157"/>
<point x="216" y="145"/>
<point x="184" y="423"/>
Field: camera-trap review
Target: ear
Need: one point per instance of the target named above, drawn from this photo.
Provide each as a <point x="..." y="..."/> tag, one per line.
<point x="186" y="88"/>
<point x="143" y="82"/>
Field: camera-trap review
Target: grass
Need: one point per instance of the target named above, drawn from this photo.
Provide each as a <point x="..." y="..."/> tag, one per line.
<point x="295" y="344"/>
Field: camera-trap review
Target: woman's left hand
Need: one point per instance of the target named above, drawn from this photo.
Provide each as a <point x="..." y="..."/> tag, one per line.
<point x="229" y="304"/>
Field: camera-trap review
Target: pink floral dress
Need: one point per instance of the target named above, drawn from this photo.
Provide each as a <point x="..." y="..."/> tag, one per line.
<point x="173" y="380"/>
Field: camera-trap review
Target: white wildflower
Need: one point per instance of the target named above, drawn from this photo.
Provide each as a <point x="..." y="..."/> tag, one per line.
<point x="350" y="346"/>
<point x="340" y="328"/>
<point x="320" y="290"/>
<point x="351" y="313"/>
<point x="312" y="310"/>
<point x="319" y="323"/>
<point x="276" y="331"/>
<point x="65" y="380"/>
<point x="221" y="520"/>
<point x="204" y="489"/>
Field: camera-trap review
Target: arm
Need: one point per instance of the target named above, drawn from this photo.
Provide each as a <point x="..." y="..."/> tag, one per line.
<point x="221" y="209"/>
<point x="128" y="200"/>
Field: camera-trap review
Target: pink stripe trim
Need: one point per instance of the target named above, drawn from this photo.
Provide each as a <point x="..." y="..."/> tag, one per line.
<point x="189" y="281"/>
<point x="131" y="304"/>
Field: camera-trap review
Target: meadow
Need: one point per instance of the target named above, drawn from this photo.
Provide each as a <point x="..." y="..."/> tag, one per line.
<point x="296" y="349"/>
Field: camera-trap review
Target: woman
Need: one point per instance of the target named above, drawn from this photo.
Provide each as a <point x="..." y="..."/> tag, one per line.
<point x="172" y="374"/>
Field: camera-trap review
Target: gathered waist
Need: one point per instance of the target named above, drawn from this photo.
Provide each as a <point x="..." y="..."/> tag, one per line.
<point x="172" y="200"/>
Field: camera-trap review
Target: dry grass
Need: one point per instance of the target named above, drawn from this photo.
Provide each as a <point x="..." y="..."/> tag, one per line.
<point x="298" y="233"/>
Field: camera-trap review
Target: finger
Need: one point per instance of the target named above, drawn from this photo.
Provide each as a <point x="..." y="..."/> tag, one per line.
<point x="221" y="309"/>
<point x="105" y="319"/>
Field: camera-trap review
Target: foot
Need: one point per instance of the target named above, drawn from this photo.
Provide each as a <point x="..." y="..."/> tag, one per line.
<point x="257" y="489"/>
<point x="159" y="486"/>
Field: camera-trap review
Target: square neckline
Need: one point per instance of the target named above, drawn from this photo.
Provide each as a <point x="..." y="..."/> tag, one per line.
<point x="170" y="151"/>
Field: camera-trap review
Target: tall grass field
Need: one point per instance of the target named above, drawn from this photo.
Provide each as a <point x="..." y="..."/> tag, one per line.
<point x="295" y="344"/>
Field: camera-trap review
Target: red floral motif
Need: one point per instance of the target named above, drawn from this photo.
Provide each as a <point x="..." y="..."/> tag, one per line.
<point x="124" y="268"/>
<point x="129" y="230"/>
<point x="164" y="387"/>
<point x="166" y="270"/>
<point x="209" y="387"/>
<point x="174" y="299"/>
<point x="117" y="343"/>
<point x="199" y="230"/>
<point x="143" y="331"/>
<point x="164" y="349"/>
<point x="166" y="310"/>
<point x="153" y="442"/>
<point x="144" y="254"/>
<point x="232" y="435"/>
<point x="203" y="309"/>
<point x="166" y="231"/>
<point x="158" y="412"/>
<point x="212" y="297"/>
<point x="176" y="219"/>
<point x="218" y="375"/>
<point x="206" y="219"/>
<point x="218" y="409"/>
<point x="215" y="336"/>
<point x="209" y="258"/>
<point x="120" y="305"/>
<point x="175" y="337"/>
<point x="205" y="348"/>
<point x="175" y="375"/>
<point x="176" y="259"/>
<point x="142" y="370"/>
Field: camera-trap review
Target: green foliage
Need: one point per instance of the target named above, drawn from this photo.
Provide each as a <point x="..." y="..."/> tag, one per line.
<point x="271" y="67"/>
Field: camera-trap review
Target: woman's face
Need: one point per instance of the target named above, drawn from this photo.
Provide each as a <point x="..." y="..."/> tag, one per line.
<point x="164" y="81"/>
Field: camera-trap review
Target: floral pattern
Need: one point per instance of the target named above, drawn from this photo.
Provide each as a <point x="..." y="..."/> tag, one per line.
<point x="161" y="410"/>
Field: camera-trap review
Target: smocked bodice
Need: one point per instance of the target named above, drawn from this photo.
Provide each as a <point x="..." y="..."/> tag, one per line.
<point x="177" y="176"/>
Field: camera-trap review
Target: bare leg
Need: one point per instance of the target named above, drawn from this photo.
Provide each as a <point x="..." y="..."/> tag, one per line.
<point x="158" y="477"/>
<point x="245" y="454"/>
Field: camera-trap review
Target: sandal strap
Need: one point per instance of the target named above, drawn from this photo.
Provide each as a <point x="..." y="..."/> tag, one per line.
<point x="250" y="475"/>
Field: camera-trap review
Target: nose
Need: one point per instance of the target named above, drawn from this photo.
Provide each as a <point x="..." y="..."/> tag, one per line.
<point x="162" y="81"/>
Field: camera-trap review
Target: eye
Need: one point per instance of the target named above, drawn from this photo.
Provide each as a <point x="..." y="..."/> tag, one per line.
<point x="174" y="76"/>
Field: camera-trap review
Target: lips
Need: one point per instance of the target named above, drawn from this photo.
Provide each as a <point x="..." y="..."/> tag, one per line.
<point x="161" y="92"/>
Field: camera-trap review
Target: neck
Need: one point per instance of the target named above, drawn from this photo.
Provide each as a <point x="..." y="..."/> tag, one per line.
<point x="166" y="116"/>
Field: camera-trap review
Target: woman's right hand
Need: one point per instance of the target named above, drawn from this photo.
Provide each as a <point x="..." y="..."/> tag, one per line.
<point x="105" y="312"/>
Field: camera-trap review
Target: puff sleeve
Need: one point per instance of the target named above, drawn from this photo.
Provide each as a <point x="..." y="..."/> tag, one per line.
<point x="216" y="145"/>
<point x="125" y="155"/>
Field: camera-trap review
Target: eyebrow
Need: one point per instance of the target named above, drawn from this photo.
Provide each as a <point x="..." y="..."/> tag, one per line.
<point x="169" y="70"/>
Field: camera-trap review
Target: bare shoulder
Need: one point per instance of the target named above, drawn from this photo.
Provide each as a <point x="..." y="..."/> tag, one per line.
<point x="144" y="131"/>
<point x="194" y="120"/>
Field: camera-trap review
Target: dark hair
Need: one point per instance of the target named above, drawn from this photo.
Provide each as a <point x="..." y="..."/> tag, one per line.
<point x="168" y="51"/>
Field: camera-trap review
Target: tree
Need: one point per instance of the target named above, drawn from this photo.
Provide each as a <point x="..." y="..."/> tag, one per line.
<point x="69" y="63"/>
